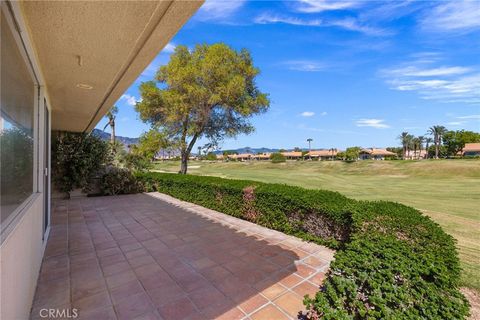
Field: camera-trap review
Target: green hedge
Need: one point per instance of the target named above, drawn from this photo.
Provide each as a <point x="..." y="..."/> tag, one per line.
<point x="392" y="262"/>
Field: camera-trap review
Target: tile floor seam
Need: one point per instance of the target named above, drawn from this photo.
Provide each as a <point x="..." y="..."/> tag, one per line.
<point x="100" y="266"/>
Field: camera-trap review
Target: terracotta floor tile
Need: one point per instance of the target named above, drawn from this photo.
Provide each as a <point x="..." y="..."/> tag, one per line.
<point x="94" y="301"/>
<point x="203" y="263"/>
<point x="314" y="262"/>
<point x="120" y="278"/>
<point x="269" y="312"/>
<point x="133" y="306"/>
<point x="291" y="280"/>
<point x="273" y="291"/>
<point x="178" y="309"/>
<point x="226" y="312"/>
<point x="291" y="303"/>
<point x="84" y="289"/>
<point x="305" y="288"/>
<point x="208" y="296"/>
<point x="318" y="278"/>
<point x="115" y="268"/>
<point x="304" y="271"/>
<point x="252" y="303"/>
<point x="125" y="290"/>
<point x="141" y="261"/>
<point x="104" y="313"/>
<point x="165" y="293"/>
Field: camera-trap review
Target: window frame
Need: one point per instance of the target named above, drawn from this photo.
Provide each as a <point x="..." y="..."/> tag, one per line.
<point x="9" y="224"/>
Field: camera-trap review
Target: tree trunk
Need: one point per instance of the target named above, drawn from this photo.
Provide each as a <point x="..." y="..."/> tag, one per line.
<point x="112" y="135"/>
<point x="436" y="149"/>
<point x="183" y="167"/>
<point x="185" y="153"/>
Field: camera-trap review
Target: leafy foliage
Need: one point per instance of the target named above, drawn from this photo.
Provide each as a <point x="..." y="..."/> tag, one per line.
<point x="455" y="141"/>
<point x="119" y="181"/>
<point x="208" y="92"/>
<point x="75" y="158"/>
<point x="277" y="157"/>
<point x="16" y="164"/>
<point x="392" y="262"/>
<point x="352" y="153"/>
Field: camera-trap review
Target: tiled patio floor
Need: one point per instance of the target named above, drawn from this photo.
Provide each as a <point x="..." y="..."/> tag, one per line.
<point x="149" y="256"/>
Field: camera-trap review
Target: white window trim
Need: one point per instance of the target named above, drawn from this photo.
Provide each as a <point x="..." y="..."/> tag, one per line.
<point x="18" y="28"/>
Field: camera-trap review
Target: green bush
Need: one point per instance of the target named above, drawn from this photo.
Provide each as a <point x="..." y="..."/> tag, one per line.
<point x="119" y="181"/>
<point x="392" y="262"/>
<point x="76" y="157"/>
<point x="277" y="157"/>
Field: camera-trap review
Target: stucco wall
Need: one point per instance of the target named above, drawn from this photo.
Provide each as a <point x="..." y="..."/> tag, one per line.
<point x="20" y="260"/>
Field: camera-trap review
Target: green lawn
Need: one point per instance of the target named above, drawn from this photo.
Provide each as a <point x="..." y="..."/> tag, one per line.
<point x="446" y="190"/>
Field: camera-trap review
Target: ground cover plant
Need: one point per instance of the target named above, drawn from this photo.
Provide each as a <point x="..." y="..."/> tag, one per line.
<point x="445" y="190"/>
<point x="392" y="262"/>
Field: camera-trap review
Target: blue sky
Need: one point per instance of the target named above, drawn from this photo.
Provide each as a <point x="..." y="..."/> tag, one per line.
<point x="344" y="73"/>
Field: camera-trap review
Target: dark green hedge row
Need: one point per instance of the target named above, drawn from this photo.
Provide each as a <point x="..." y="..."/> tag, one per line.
<point x="392" y="262"/>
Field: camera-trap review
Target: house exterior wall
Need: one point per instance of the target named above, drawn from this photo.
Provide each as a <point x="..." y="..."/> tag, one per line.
<point x="20" y="260"/>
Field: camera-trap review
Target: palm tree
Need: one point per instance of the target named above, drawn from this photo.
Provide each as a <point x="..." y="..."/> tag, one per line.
<point x="428" y="140"/>
<point x="405" y="141"/>
<point x="415" y="144"/>
<point x="437" y="132"/>
<point x="111" y="115"/>
<point x="309" y="140"/>
<point x="421" y="139"/>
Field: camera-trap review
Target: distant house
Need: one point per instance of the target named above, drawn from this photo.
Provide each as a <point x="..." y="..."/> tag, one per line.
<point x="471" y="149"/>
<point x="241" y="157"/>
<point x="322" y="154"/>
<point x="292" y="155"/>
<point x="412" y="155"/>
<point x="375" y="154"/>
<point x="262" y="156"/>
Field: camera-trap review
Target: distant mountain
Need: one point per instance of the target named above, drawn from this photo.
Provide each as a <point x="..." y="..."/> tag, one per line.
<point x="106" y="136"/>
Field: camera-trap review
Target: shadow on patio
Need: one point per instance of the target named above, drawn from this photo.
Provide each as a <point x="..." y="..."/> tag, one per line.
<point x="139" y="256"/>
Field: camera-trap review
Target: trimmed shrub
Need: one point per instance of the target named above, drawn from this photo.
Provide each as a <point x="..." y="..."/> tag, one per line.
<point x="277" y="157"/>
<point x="119" y="181"/>
<point x="392" y="262"/>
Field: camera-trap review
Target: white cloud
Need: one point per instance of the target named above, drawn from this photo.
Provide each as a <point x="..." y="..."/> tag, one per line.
<point x="412" y="71"/>
<point x="307" y="114"/>
<point x="443" y="83"/>
<point x="131" y="100"/>
<point x="169" y="48"/>
<point x="473" y="116"/>
<point x="267" y="18"/>
<point x="455" y="123"/>
<point x="457" y="16"/>
<point x="354" y="25"/>
<point x="305" y="65"/>
<point x="324" y="113"/>
<point x="314" y="6"/>
<point x="374" y="123"/>
<point x="350" y="24"/>
<point x="218" y="10"/>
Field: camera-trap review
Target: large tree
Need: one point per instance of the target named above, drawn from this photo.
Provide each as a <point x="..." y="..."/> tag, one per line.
<point x="150" y="144"/>
<point x="207" y="92"/>
<point x="455" y="141"/>
<point x="437" y="132"/>
<point x="111" y="116"/>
